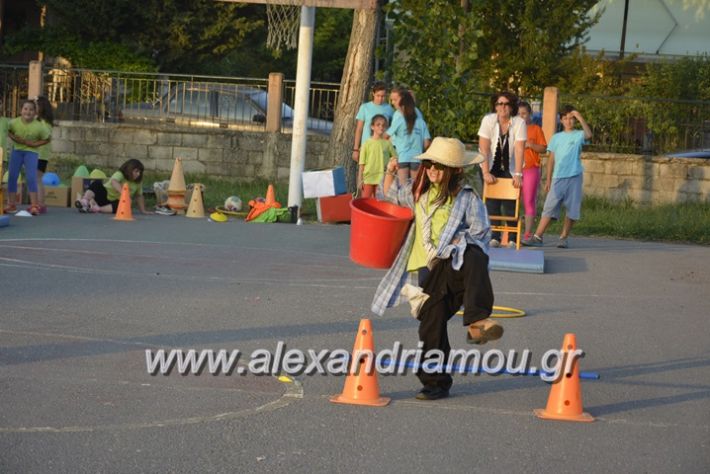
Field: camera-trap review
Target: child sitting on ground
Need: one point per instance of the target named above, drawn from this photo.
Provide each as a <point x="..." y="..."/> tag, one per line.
<point x="373" y="155"/>
<point x="104" y="196"/>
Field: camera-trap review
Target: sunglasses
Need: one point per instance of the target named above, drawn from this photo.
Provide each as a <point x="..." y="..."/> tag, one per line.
<point x="507" y="104"/>
<point x="431" y="164"/>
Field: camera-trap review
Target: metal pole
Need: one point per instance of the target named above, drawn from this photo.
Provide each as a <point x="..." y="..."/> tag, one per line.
<point x="623" y="30"/>
<point x="300" y="112"/>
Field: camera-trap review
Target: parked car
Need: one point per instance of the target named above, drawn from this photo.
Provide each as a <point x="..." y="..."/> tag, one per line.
<point x="215" y="105"/>
<point x="691" y="154"/>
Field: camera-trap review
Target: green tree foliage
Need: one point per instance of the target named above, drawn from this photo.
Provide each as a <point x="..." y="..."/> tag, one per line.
<point x="449" y="50"/>
<point x="437" y="56"/>
<point x="252" y="58"/>
<point x="174" y="35"/>
<point x="676" y="124"/>
<point x="523" y="42"/>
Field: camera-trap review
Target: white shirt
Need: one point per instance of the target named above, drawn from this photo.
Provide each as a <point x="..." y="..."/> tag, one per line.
<point x="490" y="129"/>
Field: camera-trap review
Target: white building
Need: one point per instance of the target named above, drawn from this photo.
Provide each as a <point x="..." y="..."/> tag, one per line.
<point x="655" y="29"/>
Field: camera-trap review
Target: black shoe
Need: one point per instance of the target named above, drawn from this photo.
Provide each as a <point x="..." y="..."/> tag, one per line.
<point x="435" y="393"/>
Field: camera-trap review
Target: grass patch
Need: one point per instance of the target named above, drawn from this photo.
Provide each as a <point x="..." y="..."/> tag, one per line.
<point x="687" y="222"/>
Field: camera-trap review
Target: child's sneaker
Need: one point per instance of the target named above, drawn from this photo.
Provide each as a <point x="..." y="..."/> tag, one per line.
<point x="511" y="244"/>
<point x="34" y="210"/>
<point x="164" y="211"/>
<point x="12" y="209"/>
<point x="82" y="204"/>
<point x="533" y="241"/>
<point x="494" y="243"/>
<point x="563" y="243"/>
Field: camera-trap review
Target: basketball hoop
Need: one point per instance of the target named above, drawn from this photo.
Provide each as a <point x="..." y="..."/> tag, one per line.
<point x="283" y="22"/>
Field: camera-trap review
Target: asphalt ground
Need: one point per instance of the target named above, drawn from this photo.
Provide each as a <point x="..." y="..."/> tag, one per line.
<point x="83" y="297"/>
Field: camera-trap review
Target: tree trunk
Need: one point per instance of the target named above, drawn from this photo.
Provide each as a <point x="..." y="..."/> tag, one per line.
<point x="353" y="89"/>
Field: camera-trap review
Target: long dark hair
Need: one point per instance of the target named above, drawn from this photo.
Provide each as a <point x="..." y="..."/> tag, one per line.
<point x="406" y="107"/>
<point x="44" y="110"/>
<point x="408" y="110"/>
<point x="451" y="184"/>
<point x="127" y="169"/>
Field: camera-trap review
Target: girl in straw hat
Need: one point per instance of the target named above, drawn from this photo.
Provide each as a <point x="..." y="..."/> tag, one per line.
<point x="443" y="263"/>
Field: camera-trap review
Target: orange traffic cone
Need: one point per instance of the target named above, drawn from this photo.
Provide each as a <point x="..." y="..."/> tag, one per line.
<point x="124" y="213"/>
<point x="361" y="387"/>
<point x="177" y="179"/>
<point x="565" y="400"/>
<point x="196" y="208"/>
<point x="177" y="188"/>
<point x="270" y="195"/>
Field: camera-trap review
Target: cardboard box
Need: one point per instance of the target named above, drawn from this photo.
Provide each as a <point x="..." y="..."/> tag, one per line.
<point x="56" y="196"/>
<point x="324" y="183"/>
<point x="334" y="209"/>
<point x="78" y="187"/>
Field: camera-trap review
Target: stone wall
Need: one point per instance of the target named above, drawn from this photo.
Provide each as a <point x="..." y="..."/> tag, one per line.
<point x="247" y="155"/>
<point x="646" y="179"/>
<point x="237" y="154"/>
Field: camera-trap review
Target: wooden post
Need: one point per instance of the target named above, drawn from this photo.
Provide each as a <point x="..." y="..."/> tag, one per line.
<point x="549" y="112"/>
<point x="35" y="81"/>
<point x="274" y="107"/>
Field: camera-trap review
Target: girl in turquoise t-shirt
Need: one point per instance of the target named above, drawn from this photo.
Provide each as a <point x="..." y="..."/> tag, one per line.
<point x="27" y="135"/>
<point x="408" y="133"/>
<point x="104" y="196"/>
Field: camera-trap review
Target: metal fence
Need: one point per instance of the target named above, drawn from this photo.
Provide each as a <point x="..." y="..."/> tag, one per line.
<point x="643" y="125"/>
<point x="208" y="101"/>
<point x="13" y="89"/>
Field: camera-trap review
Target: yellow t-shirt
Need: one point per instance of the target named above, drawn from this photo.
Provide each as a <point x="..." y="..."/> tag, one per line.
<point x="418" y="255"/>
<point x="136" y="189"/>
<point x="374" y="155"/>
<point x="35" y="130"/>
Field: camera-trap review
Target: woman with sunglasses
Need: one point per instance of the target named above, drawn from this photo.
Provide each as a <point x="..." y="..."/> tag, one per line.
<point x="501" y="139"/>
<point x="443" y="263"/>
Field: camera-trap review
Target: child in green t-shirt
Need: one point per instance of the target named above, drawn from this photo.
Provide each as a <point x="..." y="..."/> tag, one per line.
<point x="27" y="135"/>
<point x="104" y="196"/>
<point x="375" y="152"/>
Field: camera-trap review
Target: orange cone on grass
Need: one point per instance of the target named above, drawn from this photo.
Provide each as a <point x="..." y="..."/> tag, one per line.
<point x="124" y="213"/>
<point x="270" y="195"/>
<point x="196" y="208"/>
<point x="361" y="386"/>
<point x="177" y="188"/>
<point x="565" y="400"/>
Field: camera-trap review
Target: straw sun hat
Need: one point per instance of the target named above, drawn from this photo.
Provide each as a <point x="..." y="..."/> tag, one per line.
<point x="450" y="152"/>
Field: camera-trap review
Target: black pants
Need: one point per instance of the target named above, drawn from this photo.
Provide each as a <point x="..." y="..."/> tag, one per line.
<point x="448" y="289"/>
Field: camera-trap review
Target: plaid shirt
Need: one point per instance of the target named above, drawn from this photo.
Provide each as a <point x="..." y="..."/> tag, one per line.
<point x="468" y="222"/>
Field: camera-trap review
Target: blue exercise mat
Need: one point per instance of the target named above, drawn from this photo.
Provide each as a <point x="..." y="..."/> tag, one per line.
<point x="511" y="260"/>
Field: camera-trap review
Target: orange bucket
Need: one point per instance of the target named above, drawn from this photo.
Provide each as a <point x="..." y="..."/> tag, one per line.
<point x="377" y="230"/>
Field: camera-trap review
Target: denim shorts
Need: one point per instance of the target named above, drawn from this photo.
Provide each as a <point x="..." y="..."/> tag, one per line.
<point x="567" y="192"/>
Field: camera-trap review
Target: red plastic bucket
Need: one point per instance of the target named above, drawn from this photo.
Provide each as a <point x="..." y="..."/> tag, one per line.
<point x="377" y="230"/>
